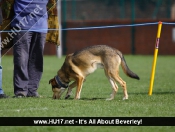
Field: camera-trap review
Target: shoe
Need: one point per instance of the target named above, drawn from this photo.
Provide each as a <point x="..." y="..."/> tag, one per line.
<point x="19" y="96"/>
<point x="35" y="96"/>
<point x="2" y="96"/>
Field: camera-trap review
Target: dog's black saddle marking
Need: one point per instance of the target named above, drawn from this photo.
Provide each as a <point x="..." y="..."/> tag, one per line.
<point x="60" y="83"/>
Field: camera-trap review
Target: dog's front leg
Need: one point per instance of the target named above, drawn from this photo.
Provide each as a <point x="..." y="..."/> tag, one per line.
<point x="79" y="87"/>
<point x="69" y="91"/>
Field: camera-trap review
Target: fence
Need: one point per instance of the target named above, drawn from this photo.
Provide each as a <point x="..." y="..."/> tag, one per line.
<point x="139" y="39"/>
<point x="128" y="39"/>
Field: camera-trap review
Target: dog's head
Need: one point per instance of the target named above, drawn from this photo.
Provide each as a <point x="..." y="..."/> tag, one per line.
<point x="57" y="87"/>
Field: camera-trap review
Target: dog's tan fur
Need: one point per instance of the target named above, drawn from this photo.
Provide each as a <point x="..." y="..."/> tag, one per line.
<point x="84" y="62"/>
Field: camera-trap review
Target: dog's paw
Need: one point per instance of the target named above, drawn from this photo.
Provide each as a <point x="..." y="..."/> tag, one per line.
<point x="68" y="96"/>
<point x="109" y="99"/>
<point x="125" y="98"/>
<point x="76" y="98"/>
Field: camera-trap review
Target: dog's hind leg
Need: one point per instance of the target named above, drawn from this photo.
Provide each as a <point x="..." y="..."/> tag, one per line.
<point x="115" y="89"/>
<point x="115" y="76"/>
<point x="123" y="84"/>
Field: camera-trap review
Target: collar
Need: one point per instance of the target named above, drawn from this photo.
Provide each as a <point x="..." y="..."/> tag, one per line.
<point x="60" y="83"/>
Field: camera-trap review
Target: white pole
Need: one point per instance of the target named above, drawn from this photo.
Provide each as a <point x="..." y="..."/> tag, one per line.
<point x="59" y="48"/>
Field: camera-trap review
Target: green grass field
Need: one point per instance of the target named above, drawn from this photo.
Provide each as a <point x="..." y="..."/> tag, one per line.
<point x="95" y="90"/>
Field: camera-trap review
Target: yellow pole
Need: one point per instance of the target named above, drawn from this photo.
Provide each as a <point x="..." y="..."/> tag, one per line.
<point x="155" y="58"/>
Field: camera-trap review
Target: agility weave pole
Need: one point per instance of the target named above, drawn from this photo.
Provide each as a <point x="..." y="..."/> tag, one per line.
<point x="155" y="58"/>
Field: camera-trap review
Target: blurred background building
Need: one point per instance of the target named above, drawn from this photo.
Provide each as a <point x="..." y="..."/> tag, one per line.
<point x="116" y="9"/>
<point x="130" y="40"/>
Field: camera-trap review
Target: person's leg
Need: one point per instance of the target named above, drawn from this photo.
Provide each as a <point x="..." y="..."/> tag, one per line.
<point x="2" y="95"/>
<point x="1" y="90"/>
<point x="35" y="65"/>
<point x="21" y="55"/>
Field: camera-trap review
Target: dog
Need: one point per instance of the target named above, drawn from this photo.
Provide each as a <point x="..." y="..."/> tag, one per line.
<point x="84" y="62"/>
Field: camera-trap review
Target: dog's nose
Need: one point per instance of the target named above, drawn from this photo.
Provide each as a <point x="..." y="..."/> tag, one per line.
<point x="67" y="97"/>
<point x="54" y="97"/>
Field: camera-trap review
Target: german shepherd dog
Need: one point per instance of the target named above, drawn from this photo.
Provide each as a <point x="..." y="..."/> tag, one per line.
<point x="84" y="62"/>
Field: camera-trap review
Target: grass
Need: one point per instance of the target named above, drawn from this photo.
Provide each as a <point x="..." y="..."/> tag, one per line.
<point x="95" y="90"/>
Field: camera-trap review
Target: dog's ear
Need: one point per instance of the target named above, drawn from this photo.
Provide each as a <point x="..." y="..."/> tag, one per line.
<point x="50" y="81"/>
<point x="67" y="56"/>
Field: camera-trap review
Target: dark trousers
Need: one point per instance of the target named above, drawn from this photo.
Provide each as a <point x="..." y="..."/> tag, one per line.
<point x="28" y="62"/>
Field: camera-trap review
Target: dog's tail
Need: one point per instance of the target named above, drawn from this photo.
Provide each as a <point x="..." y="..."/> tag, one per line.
<point x="126" y="69"/>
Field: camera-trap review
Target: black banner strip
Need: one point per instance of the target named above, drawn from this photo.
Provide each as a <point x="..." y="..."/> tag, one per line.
<point x="87" y="121"/>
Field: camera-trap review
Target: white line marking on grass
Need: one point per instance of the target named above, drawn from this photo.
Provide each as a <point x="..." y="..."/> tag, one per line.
<point x="29" y="109"/>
